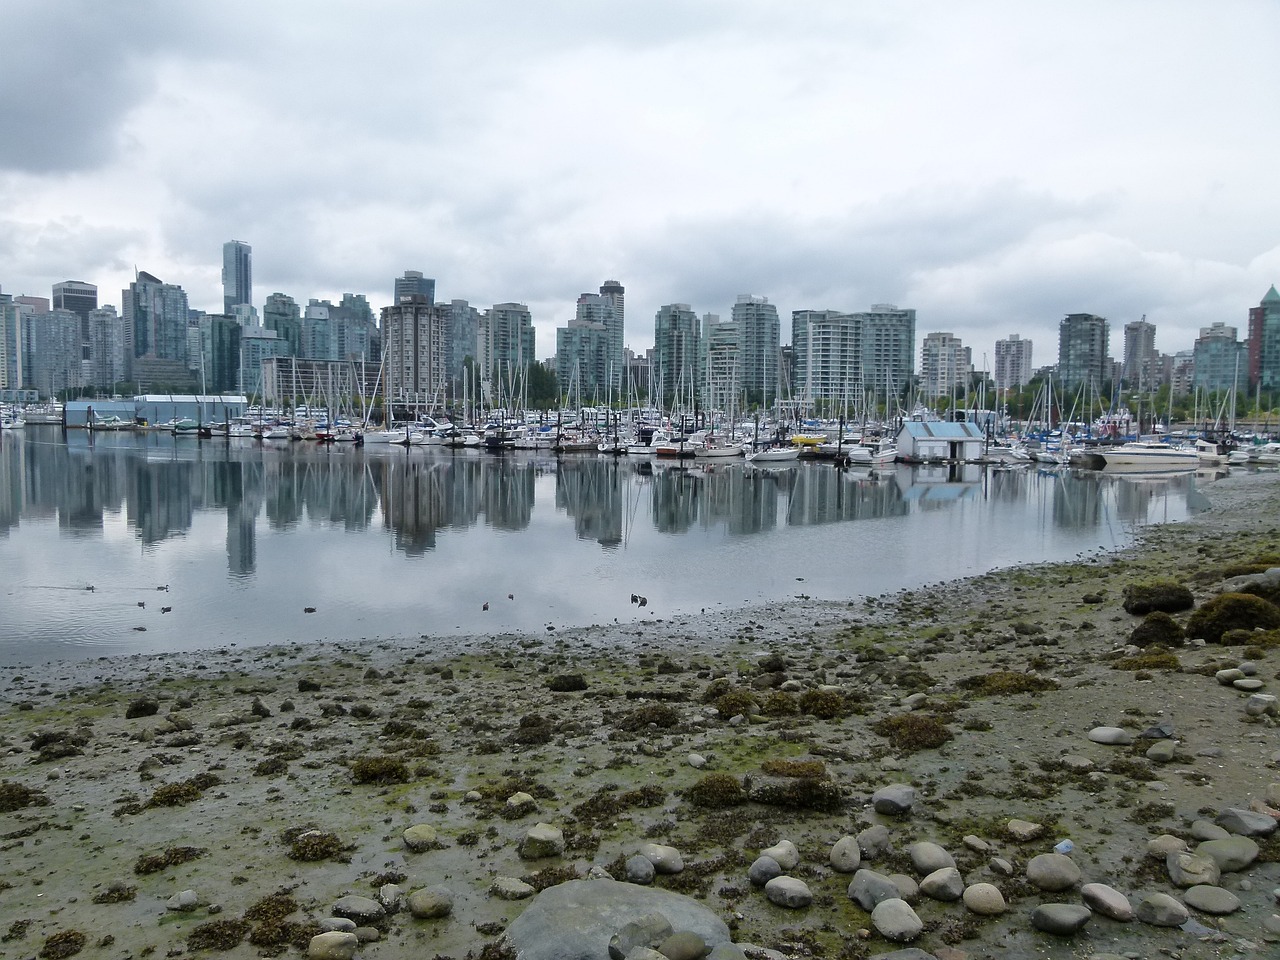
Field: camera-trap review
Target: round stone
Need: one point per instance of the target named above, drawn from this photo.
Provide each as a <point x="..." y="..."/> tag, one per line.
<point x="868" y="889"/>
<point x="984" y="899"/>
<point x="1212" y="900"/>
<point x="334" y="945"/>
<point x="945" y="884"/>
<point x="1053" y="872"/>
<point x="1111" y="736"/>
<point x="431" y="903"/>
<point x="895" y="920"/>
<point x="846" y="855"/>
<point x="785" y="852"/>
<point x="788" y="892"/>
<point x="895" y="799"/>
<point x="421" y="836"/>
<point x="1107" y="901"/>
<point x="764" y="869"/>
<point x="927" y="857"/>
<point x="1060" y="919"/>
<point x="1161" y="910"/>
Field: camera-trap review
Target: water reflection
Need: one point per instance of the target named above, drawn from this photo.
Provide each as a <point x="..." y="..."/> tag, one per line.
<point x="161" y="484"/>
<point x="391" y="541"/>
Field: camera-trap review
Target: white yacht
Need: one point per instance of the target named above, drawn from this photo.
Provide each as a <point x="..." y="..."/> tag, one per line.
<point x="1154" y="454"/>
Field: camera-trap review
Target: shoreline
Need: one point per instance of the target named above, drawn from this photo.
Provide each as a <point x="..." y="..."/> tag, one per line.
<point x="483" y="719"/>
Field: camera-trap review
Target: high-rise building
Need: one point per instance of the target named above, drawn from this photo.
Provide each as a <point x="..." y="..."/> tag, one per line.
<point x="317" y="331"/>
<point x="462" y="328"/>
<point x="759" y="337"/>
<point x="414" y="284"/>
<point x="29" y="309"/>
<point x="413" y="347"/>
<point x="1140" y="357"/>
<point x="237" y="275"/>
<point x="282" y="315"/>
<point x="677" y="348"/>
<point x="1264" y="342"/>
<point x="56" y="354"/>
<point x="612" y="292"/>
<point x="945" y="365"/>
<point x="155" y="315"/>
<point x="722" y="384"/>
<point x="10" y="344"/>
<point x="507" y="342"/>
<point x="888" y="350"/>
<point x="1013" y="363"/>
<point x="1082" y="351"/>
<point x="257" y="344"/>
<point x="582" y="361"/>
<point x="220" y="368"/>
<point x="1221" y="361"/>
<point x="826" y="350"/>
<point x="589" y="350"/>
<point x="353" y="329"/>
<point x="107" y="361"/>
<point x="80" y="298"/>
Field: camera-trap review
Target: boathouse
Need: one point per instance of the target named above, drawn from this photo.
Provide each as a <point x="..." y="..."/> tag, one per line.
<point x="923" y="441"/>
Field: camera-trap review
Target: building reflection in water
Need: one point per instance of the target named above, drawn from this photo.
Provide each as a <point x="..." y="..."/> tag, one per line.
<point x="160" y="485"/>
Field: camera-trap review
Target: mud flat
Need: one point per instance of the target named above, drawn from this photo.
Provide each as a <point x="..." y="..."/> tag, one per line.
<point x="226" y="801"/>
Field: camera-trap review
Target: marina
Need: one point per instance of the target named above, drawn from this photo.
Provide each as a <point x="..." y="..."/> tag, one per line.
<point x="118" y="542"/>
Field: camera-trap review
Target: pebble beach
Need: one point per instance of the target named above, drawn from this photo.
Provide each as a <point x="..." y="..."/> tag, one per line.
<point x="994" y="766"/>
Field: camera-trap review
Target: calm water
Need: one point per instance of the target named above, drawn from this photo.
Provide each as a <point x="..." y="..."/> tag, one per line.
<point x="387" y="542"/>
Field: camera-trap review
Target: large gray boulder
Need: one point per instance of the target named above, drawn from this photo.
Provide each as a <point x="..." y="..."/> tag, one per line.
<point x="575" y="920"/>
<point x="868" y="889"/>
<point x="1230" y="853"/>
<point x="895" y="920"/>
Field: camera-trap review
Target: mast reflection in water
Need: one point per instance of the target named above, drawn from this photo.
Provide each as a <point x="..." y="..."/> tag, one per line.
<point x="388" y="542"/>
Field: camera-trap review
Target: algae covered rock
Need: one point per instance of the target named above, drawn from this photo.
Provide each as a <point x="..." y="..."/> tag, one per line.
<point x="1165" y="596"/>
<point x="1157" y="628"/>
<point x="1232" y="611"/>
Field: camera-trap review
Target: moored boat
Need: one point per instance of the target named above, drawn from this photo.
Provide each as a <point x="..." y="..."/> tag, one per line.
<point x="1148" y="453"/>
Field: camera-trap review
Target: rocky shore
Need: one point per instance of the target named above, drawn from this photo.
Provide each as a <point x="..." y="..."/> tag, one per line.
<point x="990" y="767"/>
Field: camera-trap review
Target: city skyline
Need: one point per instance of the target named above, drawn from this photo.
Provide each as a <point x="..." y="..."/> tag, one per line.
<point x="992" y="165"/>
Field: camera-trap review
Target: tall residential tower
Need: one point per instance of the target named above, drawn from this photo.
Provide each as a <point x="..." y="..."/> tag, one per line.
<point x="237" y="275"/>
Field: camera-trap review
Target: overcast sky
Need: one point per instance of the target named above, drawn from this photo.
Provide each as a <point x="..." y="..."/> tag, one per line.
<point x="994" y="164"/>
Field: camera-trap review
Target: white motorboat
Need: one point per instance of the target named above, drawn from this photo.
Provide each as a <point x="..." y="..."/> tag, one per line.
<point x="12" y="423"/>
<point x="1148" y="454"/>
<point x="1210" y="454"/>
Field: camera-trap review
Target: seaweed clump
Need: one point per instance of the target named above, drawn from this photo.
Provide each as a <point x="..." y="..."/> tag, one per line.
<point x="911" y="732"/>
<point x="1166" y="596"/>
<point x="379" y="770"/>
<point x="607" y="803"/>
<point x="308" y="844"/>
<point x="183" y="792"/>
<point x="1232" y="611"/>
<point x="735" y="703"/>
<point x="1006" y="683"/>
<point x="660" y="715"/>
<point x="715" y="791"/>
<point x="1157" y="628"/>
<point x="794" y="768"/>
<point x="172" y="857"/>
<point x="799" y="793"/>
<point x="1152" y="659"/>
<point x="217" y="935"/>
<point x="67" y="943"/>
<point x="824" y="704"/>
<point x="15" y="796"/>
<point x="567" y="683"/>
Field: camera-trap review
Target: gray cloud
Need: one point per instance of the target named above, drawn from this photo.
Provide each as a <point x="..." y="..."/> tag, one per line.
<point x="72" y="70"/>
<point x="991" y="165"/>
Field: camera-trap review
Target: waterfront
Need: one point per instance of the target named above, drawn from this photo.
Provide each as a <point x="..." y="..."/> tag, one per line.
<point x="209" y="544"/>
